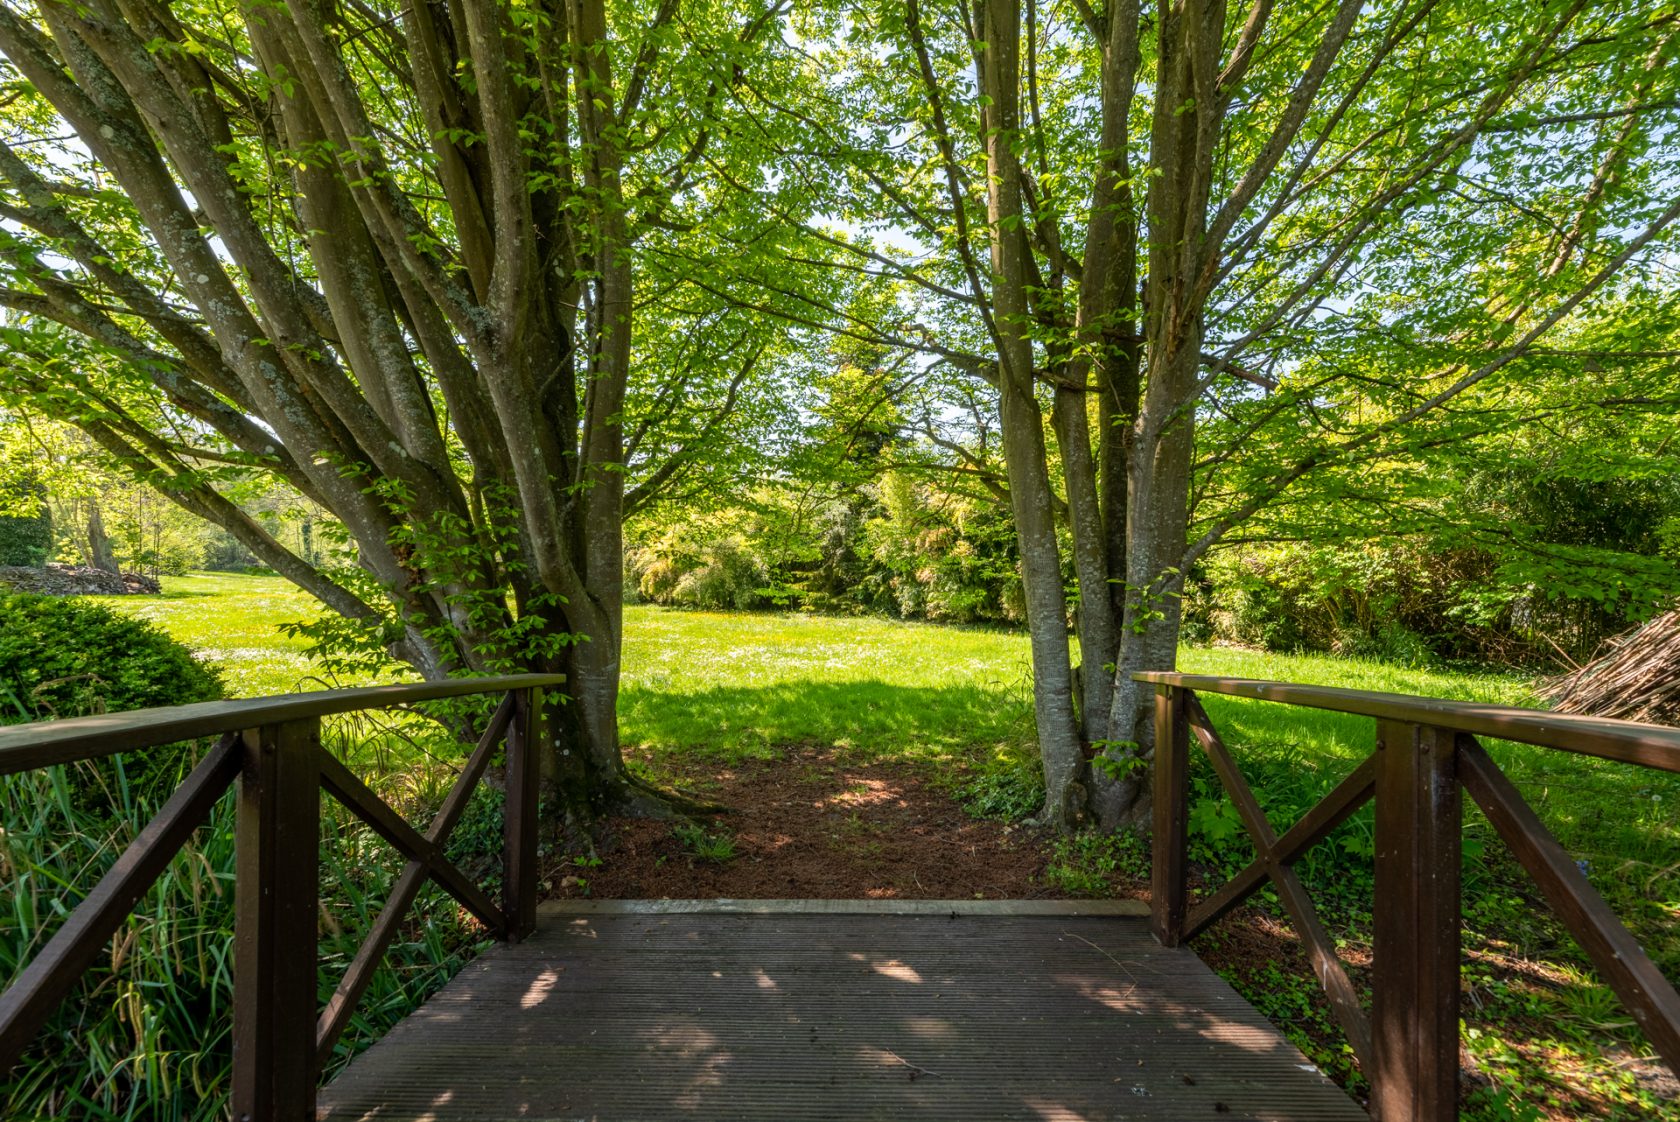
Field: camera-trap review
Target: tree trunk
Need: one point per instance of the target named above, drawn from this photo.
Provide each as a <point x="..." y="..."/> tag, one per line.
<point x="100" y="555"/>
<point x="1158" y="508"/>
<point x="1160" y="459"/>
<point x="1094" y="619"/>
<point x="1023" y="427"/>
<point x="439" y="357"/>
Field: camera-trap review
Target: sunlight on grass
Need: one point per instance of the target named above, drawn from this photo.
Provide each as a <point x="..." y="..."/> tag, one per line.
<point x="957" y="702"/>
<point x="234" y="620"/>
<point x="738" y="685"/>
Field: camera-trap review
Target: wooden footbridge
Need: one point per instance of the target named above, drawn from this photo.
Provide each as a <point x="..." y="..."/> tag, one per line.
<point x="839" y="1010"/>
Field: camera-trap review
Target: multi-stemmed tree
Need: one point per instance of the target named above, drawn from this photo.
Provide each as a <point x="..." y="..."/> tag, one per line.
<point x="474" y="276"/>
<point x="1205" y="255"/>
<point x="388" y="254"/>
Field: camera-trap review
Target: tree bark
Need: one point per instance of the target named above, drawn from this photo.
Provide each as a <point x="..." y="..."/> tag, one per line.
<point x="1184" y="136"/>
<point x="1023" y="424"/>
<point x="100" y="555"/>
<point x="451" y="387"/>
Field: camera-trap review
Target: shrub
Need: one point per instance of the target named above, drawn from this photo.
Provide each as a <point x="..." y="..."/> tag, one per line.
<point x="899" y="546"/>
<point x="68" y="657"/>
<point x="145" y="1033"/>
<point x="731" y="575"/>
<point x="705" y="562"/>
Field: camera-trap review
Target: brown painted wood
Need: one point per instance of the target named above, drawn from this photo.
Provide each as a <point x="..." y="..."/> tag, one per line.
<point x="340" y="782"/>
<point x="1313" y="827"/>
<point x="1236" y="786"/>
<point x="42" y="744"/>
<point x="520" y="813"/>
<point x="1620" y="959"/>
<point x="275" y="914"/>
<point x="1327" y="967"/>
<point x="838" y="1018"/>
<point x="1321" y="948"/>
<point x="1168" y="890"/>
<point x="1416" y="925"/>
<point x="460" y="795"/>
<point x="342" y="1005"/>
<point x="1628" y="741"/>
<point x="1329" y="812"/>
<point x="37" y="990"/>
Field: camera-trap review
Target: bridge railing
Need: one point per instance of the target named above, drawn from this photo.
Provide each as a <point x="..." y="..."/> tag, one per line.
<point x="1426" y="752"/>
<point x="270" y="750"/>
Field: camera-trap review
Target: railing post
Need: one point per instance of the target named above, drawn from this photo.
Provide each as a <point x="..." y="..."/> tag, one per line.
<point x="277" y="880"/>
<point x="1416" y="924"/>
<point x="1168" y="890"/>
<point x="519" y="817"/>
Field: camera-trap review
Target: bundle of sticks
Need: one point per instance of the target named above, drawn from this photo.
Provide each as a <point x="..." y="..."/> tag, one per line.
<point x="1637" y="680"/>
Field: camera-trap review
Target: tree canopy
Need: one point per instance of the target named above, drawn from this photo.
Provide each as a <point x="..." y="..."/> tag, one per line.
<point x="486" y="279"/>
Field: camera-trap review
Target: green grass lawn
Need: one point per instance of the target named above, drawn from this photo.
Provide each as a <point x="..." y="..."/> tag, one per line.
<point x="957" y="701"/>
<point x="734" y="685"/>
<point x="234" y="621"/>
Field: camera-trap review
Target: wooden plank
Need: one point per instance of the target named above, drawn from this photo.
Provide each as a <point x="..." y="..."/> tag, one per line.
<point x="1628" y="741"/>
<point x="1169" y="890"/>
<point x="343" y="785"/>
<point x="1327" y="967"/>
<point x="336" y="1016"/>
<point x="1254" y="820"/>
<point x="1313" y="827"/>
<point x="1415" y="925"/>
<point x="890" y="906"/>
<point x="277" y="871"/>
<point x="1320" y="947"/>
<point x="780" y="1018"/>
<point x="520" y="814"/>
<point x="1620" y="959"/>
<point x="1328" y="813"/>
<point x="460" y="794"/>
<point x="42" y="744"/>
<point x="41" y="985"/>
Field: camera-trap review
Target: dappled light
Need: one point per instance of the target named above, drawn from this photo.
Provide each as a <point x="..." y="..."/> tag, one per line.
<point x="707" y="1014"/>
<point x="767" y="486"/>
<point x="898" y="971"/>
<point x="1047" y="1111"/>
<point x="540" y="986"/>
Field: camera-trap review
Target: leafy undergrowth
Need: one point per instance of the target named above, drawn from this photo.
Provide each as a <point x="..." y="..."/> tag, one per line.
<point x="146" y="1035"/>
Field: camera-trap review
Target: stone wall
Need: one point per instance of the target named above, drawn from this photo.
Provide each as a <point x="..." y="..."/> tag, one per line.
<point x="70" y="580"/>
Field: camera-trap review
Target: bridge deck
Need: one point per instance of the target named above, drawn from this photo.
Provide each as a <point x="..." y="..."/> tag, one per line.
<point x="618" y="1013"/>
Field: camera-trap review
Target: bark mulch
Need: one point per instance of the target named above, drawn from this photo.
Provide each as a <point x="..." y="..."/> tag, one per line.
<point x="811" y="825"/>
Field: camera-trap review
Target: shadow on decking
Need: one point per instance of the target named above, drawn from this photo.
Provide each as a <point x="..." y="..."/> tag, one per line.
<point x="1056" y="1018"/>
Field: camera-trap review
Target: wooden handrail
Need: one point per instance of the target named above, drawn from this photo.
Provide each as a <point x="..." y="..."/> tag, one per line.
<point x="1426" y="753"/>
<point x="1630" y="742"/>
<point x="25" y="747"/>
<point x="270" y="752"/>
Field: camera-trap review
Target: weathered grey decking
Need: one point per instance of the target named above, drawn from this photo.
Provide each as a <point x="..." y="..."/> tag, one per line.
<point x="692" y="1014"/>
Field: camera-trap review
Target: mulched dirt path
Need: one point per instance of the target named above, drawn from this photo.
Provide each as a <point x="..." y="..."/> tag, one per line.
<point x="809" y="824"/>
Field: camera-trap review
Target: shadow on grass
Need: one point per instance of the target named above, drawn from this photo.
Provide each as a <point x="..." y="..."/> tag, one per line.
<point x="870" y="719"/>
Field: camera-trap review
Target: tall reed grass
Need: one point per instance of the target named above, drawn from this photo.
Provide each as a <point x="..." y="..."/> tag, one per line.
<point x="146" y="1032"/>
